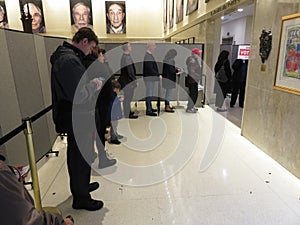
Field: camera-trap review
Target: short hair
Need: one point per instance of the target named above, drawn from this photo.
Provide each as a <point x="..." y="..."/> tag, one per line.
<point x="85" y="32"/>
<point x="115" y="84"/>
<point x="78" y="4"/>
<point x="119" y="3"/>
<point x="125" y="46"/>
<point x="31" y="5"/>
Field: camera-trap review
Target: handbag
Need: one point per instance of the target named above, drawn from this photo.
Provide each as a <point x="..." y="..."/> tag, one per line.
<point x="221" y="75"/>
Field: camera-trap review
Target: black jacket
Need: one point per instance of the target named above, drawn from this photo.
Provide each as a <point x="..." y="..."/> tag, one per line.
<point x="169" y="74"/>
<point x="226" y="67"/>
<point x="150" y="68"/>
<point x="67" y="74"/>
<point x="128" y="72"/>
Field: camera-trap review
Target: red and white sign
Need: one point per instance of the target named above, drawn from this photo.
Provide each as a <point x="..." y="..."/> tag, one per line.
<point x="244" y="52"/>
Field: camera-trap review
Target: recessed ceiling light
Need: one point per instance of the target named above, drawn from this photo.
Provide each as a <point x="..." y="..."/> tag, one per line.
<point x="222" y="17"/>
<point x="240" y="10"/>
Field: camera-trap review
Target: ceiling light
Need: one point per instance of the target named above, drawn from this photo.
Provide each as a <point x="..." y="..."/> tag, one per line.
<point x="222" y="17"/>
<point x="240" y="10"/>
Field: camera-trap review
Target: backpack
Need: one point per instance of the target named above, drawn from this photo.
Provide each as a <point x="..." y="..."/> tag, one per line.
<point x="221" y="75"/>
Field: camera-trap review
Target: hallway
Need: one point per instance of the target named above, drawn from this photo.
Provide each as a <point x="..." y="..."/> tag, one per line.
<point x="203" y="173"/>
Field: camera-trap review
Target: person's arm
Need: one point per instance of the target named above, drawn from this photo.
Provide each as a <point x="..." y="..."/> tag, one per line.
<point x="17" y="206"/>
<point x="130" y="68"/>
<point x="227" y="70"/>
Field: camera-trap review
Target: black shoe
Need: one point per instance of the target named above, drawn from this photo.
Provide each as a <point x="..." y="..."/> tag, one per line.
<point x="93" y="186"/>
<point x="154" y="110"/>
<point x="115" y="142"/>
<point x="151" y="114"/>
<point x="106" y="163"/>
<point x="90" y="204"/>
<point x="132" y="116"/>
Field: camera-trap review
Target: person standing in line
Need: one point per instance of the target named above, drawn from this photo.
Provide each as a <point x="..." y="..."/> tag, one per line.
<point x="222" y="87"/>
<point x="67" y="75"/>
<point x="237" y="67"/>
<point x="169" y="75"/>
<point x="193" y="79"/>
<point x="97" y="67"/>
<point x="127" y="80"/>
<point x="151" y="75"/>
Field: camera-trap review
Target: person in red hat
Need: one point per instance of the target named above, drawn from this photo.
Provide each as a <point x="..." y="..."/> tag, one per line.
<point x="193" y="79"/>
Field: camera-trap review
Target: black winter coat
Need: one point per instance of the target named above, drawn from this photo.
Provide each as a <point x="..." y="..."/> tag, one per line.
<point x="150" y="68"/>
<point x="169" y="74"/>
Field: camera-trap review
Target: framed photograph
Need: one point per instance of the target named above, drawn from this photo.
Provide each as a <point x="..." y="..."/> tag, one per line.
<point x="288" y="61"/>
<point x="115" y="17"/>
<point x="192" y="6"/>
<point x="171" y="13"/>
<point x="179" y="11"/>
<point x="3" y="16"/>
<point x="34" y="7"/>
<point x="81" y="14"/>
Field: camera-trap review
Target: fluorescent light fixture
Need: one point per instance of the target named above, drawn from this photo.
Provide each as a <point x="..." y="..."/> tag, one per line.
<point x="240" y="10"/>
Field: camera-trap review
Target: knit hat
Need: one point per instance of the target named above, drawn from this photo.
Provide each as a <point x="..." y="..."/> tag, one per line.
<point x="196" y="51"/>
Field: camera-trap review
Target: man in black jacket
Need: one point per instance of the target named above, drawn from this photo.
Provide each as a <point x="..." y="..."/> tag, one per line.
<point x="151" y="74"/>
<point x="71" y="97"/>
<point x="127" y="80"/>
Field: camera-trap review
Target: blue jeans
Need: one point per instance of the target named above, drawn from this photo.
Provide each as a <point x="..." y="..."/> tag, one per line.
<point x="149" y="93"/>
<point x="168" y="95"/>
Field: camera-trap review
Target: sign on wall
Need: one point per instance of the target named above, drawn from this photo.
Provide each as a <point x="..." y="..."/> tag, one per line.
<point x="243" y="52"/>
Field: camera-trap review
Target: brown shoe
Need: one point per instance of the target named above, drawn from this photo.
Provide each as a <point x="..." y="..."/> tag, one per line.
<point x="169" y="109"/>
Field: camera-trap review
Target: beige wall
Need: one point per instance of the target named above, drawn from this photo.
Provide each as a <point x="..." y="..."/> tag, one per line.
<point x="271" y="118"/>
<point x="144" y="18"/>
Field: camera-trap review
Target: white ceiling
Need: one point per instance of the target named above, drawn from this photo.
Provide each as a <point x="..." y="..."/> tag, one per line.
<point x="248" y="10"/>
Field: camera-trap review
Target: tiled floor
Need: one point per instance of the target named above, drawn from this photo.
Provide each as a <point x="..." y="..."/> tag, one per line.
<point x="181" y="169"/>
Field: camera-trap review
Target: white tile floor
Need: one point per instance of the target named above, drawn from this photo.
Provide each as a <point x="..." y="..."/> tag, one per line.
<point x="214" y="177"/>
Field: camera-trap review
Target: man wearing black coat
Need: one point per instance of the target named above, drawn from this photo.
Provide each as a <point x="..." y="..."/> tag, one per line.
<point x="127" y="80"/>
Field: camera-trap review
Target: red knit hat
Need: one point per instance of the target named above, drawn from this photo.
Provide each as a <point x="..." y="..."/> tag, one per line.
<point x="196" y="51"/>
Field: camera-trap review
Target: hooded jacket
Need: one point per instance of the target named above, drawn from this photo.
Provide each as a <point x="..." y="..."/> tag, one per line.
<point x="67" y="78"/>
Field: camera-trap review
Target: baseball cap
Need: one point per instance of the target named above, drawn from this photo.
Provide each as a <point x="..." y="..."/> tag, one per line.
<point x="196" y="51"/>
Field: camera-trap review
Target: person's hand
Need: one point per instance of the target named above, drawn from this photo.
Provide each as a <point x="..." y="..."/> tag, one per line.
<point x="98" y="83"/>
<point x="68" y="221"/>
<point x="121" y="98"/>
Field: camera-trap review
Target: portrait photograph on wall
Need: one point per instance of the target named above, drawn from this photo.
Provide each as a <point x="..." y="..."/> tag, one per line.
<point x="165" y="4"/>
<point x="171" y="13"/>
<point x="34" y="7"/>
<point x="3" y="15"/>
<point x="288" y="62"/>
<point x="179" y="11"/>
<point x="81" y="14"/>
<point x="115" y="17"/>
<point x="192" y="6"/>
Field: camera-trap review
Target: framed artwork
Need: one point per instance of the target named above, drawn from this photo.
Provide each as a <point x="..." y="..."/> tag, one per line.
<point x="34" y="7"/>
<point x="3" y="15"/>
<point x="288" y="61"/>
<point x="192" y="6"/>
<point x="81" y="14"/>
<point x="165" y="2"/>
<point x="115" y="17"/>
<point x="179" y="11"/>
<point x="171" y="13"/>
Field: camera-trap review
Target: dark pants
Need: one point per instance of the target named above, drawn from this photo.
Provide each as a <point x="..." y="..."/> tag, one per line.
<point x="193" y="95"/>
<point x="128" y="95"/>
<point x="221" y="91"/>
<point x="102" y="121"/>
<point x="242" y="94"/>
<point x="78" y="168"/>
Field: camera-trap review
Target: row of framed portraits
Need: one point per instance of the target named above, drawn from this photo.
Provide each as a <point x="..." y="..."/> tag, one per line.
<point x="80" y="11"/>
<point x="169" y="8"/>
